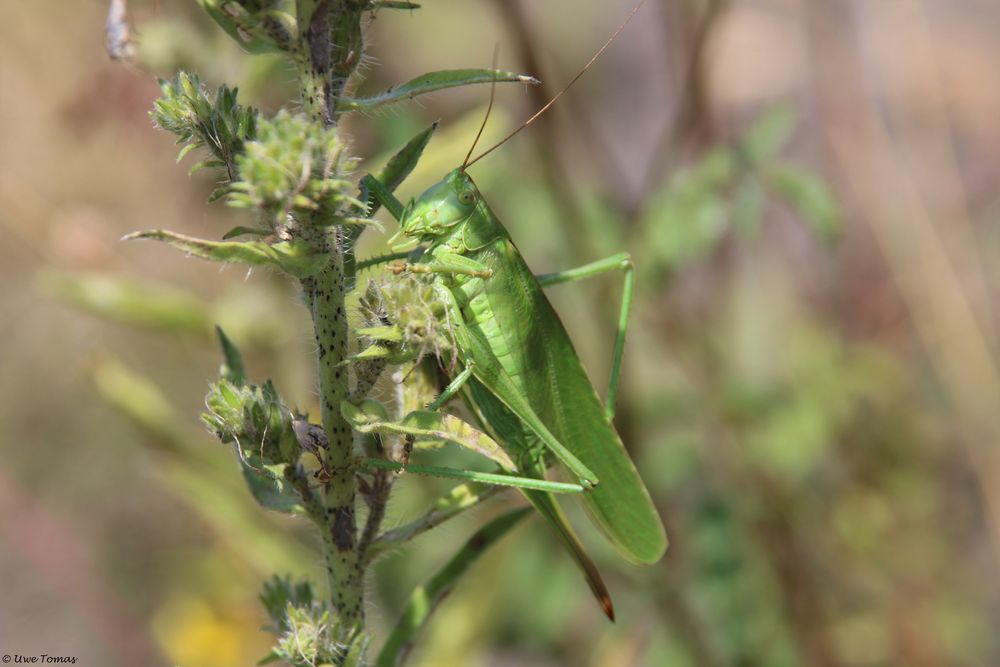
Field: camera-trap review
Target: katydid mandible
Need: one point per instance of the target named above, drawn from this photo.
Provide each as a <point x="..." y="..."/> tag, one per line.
<point x="527" y="383"/>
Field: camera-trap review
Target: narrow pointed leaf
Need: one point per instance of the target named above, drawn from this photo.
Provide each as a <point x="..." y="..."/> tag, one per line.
<point x="370" y="352"/>
<point x="294" y="257"/>
<point x="431" y="82"/>
<point x="392" y="174"/>
<point x="360" y="222"/>
<point x="233" y="368"/>
<point x="205" y="164"/>
<point x="402" y="163"/>
<point x="451" y="504"/>
<point x="425" y="599"/>
<point x="184" y="151"/>
<point x="390" y="333"/>
<point x="270" y="489"/>
<point x="241" y="230"/>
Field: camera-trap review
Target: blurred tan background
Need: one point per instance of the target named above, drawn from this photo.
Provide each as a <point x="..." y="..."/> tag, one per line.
<point x="811" y="191"/>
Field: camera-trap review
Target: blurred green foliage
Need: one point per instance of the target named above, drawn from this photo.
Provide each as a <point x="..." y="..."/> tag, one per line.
<point x="727" y="189"/>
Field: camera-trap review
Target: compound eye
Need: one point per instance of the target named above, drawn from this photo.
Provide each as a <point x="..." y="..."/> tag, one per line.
<point x="466" y="197"/>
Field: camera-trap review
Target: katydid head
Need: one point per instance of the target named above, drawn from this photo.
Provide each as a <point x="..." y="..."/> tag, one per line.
<point x="440" y="208"/>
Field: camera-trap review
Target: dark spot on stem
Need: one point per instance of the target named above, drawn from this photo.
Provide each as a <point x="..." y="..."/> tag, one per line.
<point x="342" y="530"/>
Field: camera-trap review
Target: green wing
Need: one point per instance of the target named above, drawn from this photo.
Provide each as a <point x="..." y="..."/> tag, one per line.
<point x="475" y="350"/>
<point x="532" y="345"/>
<point x="507" y="428"/>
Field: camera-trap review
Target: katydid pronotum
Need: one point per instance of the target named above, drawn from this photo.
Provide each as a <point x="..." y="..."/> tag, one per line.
<point x="521" y="376"/>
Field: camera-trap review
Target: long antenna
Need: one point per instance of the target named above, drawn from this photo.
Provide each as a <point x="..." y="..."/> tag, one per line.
<point x="558" y="95"/>
<point x="489" y="108"/>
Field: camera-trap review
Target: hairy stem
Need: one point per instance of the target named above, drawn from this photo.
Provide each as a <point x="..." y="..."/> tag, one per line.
<point x="332" y="45"/>
<point x="330" y="48"/>
<point x="325" y="295"/>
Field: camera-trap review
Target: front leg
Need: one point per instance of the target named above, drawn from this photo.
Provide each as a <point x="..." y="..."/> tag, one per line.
<point x="447" y="263"/>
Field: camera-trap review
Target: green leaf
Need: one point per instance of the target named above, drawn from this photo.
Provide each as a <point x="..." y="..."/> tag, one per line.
<point x="241" y="230"/>
<point x="351" y="221"/>
<point x="280" y="592"/>
<point x="451" y="504"/>
<point x="371" y="417"/>
<point x="402" y="163"/>
<point x="425" y="599"/>
<point x="391" y="175"/>
<point x="393" y="354"/>
<point x="268" y="486"/>
<point x="184" y="151"/>
<point x="808" y="195"/>
<point x="436" y="425"/>
<point x="390" y="333"/>
<point x="397" y="168"/>
<point x="270" y="658"/>
<point x="233" y="368"/>
<point x="430" y="82"/>
<point x="295" y="257"/>
<point x="205" y="164"/>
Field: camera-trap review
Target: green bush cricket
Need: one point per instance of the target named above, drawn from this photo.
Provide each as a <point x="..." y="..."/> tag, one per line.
<point x="521" y="375"/>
